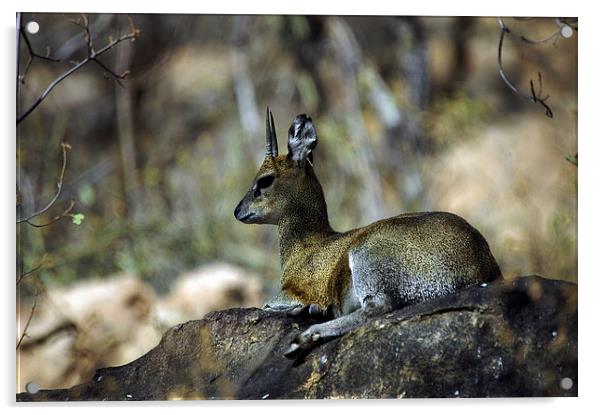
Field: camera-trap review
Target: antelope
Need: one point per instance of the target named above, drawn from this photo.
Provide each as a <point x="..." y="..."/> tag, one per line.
<point x="355" y="275"/>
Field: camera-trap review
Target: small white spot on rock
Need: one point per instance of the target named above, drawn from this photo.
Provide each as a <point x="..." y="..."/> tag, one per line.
<point x="498" y="365"/>
<point x="99" y="378"/>
<point x="554" y="334"/>
<point x="484" y="285"/>
<point x="128" y="396"/>
<point x="457" y="393"/>
<point x="265" y="396"/>
<point x="566" y="383"/>
<point x="323" y="359"/>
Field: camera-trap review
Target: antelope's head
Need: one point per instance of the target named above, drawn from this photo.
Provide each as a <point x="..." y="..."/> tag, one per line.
<point x="284" y="184"/>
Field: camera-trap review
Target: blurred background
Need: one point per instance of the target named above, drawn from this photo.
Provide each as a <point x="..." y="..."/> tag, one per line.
<point x="411" y="113"/>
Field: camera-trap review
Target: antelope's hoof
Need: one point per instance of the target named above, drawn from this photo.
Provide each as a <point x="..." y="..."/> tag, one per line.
<point x="302" y="344"/>
<point x="313" y="311"/>
<point x="293" y="351"/>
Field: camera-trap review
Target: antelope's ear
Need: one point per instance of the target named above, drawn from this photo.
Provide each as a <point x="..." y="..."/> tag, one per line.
<point x="302" y="139"/>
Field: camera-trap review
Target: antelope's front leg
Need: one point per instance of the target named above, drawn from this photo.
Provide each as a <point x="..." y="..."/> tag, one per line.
<point x="300" y="310"/>
<point x="282" y="303"/>
<point x="313" y="311"/>
<point x="304" y="342"/>
<point x="320" y="333"/>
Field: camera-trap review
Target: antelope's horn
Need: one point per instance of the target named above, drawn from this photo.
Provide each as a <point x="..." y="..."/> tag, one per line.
<point x="271" y="142"/>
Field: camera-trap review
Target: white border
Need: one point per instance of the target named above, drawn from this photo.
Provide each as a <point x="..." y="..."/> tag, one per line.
<point x="589" y="194"/>
<point x="372" y="7"/>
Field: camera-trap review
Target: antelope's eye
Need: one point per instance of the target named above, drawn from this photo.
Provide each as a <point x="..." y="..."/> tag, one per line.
<point x="263" y="183"/>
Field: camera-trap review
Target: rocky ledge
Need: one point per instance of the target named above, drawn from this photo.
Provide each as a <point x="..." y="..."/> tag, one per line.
<point x="510" y="338"/>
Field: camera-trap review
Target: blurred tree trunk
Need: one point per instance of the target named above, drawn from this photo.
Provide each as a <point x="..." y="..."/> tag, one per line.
<point x="461" y="35"/>
<point x="243" y="83"/>
<point x="349" y="58"/>
<point x="460" y="32"/>
<point x="404" y="138"/>
<point x="126" y="132"/>
<point x="307" y="39"/>
<point x="409" y="136"/>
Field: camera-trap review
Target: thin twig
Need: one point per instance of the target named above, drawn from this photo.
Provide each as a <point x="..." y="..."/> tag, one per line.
<point x="93" y="55"/>
<point x="554" y="36"/>
<point x="33" y="309"/>
<point x="560" y="23"/>
<point x="56" y="218"/>
<point x="564" y="20"/>
<point x="536" y="98"/>
<point x="34" y="269"/>
<point x="59" y="185"/>
<point x="49" y="88"/>
<point x="115" y="76"/>
<point x="33" y="55"/>
<point x="18" y="55"/>
<point x="88" y="35"/>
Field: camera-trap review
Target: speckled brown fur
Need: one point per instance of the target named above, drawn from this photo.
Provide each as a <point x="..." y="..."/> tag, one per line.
<point x="388" y="264"/>
<point x="314" y="257"/>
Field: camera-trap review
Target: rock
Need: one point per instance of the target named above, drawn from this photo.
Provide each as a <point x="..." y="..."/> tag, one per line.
<point x="91" y="324"/>
<point x="510" y="338"/>
<point x="213" y="286"/>
<point x="112" y="321"/>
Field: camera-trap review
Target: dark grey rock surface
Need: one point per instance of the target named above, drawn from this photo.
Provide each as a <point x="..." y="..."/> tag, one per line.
<point x="510" y="338"/>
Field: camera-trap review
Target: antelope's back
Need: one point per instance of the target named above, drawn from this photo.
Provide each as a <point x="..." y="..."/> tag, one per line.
<point x="434" y="246"/>
<point x="427" y="254"/>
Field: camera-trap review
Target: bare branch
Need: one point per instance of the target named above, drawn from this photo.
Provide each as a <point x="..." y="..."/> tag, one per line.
<point x="93" y="55"/>
<point x="534" y="97"/>
<point x="33" y="270"/>
<point x="115" y="76"/>
<point x="88" y="35"/>
<point x="560" y="23"/>
<point x="33" y="55"/>
<point x="554" y="36"/>
<point x="59" y="185"/>
<point x="56" y="218"/>
<point x="18" y="55"/>
<point x="565" y="21"/>
<point x="33" y="309"/>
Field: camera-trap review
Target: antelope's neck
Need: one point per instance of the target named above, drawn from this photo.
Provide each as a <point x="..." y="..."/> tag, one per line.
<point x="302" y="231"/>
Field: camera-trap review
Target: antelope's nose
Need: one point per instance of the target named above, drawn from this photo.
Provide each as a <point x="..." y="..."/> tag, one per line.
<point x="237" y="212"/>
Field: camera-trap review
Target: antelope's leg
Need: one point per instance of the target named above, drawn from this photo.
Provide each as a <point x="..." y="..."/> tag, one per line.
<point x="370" y="287"/>
<point x="318" y="333"/>
<point x="284" y="303"/>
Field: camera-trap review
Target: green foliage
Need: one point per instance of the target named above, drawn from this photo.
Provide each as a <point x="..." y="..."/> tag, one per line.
<point x="77" y="218"/>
